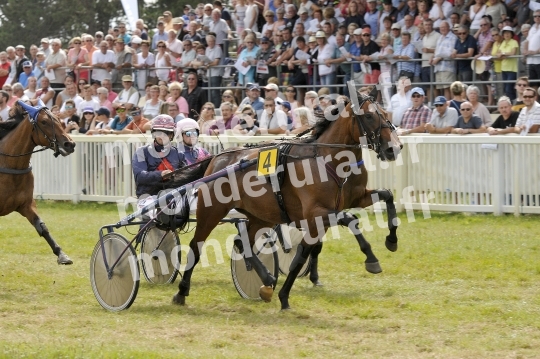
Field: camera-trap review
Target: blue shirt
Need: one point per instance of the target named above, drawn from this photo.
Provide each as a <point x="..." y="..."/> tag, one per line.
<point x="157" y="37"/>
<point x="373" y="21"/>
<point x="345" y="66"/>
<point x="355" y="50"/>
<point x="23" y="78"/>
<point x="463" y="48"/>
<point x="409" y="51"/>
<point x="116" y="125"/>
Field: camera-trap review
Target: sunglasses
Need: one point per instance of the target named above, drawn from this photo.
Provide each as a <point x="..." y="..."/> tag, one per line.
<point x="466" y="109"/>
<point x="120" y="110"/>
<point x="367" y="35"/>
<point x="91" y="40"/>
<point x="77" y="43"/>
<point x="87" y="113"/>
<point x="191" y="134"/>
<point x="249" y="42"/>
<point x="439" y="105"/>
<point x="290" y="91"/>
<point x="268" y="105"/>
<point x="520" y="85"/>
<point x="69" y="107"/>
<point x="528" y="96"/>
<point x="162" y="46"/>
<point x="248" y="113"/>
<point x="208" y="108"/>
<point x="417" y="96"/>
<point x="462" y="33"/>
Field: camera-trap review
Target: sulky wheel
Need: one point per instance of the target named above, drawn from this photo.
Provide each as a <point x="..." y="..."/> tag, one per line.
<point x="289" y="238"/>
<point x="157" y="247"/>
<point x="245" y="279"/>
<point x="115" y="289"/>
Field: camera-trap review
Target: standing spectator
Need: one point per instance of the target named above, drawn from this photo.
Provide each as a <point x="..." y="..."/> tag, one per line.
<point x="497" y="11"/>
<point x="529" y="118"/>
<point x="444" y="69"/>
<point x="441" y="10"/>
<point x="123" y="60"/>
<point x="145" y="61"/>
<point x="163" y="61"/>
<point x="485" y="44"/>
<point x="56" y="61"/>
<point x="248" y="56"/>
<point x="251" y="16"/>
<point x="4" y="68"/>
<point x="187" y="57"/>
<point x="69" y="93"/>
<point x="479" y="109"/>
<point x="416" y="117"/>
<point x="152" y="106"/>
<point x="122" y="33"/>
<point x="45" y="47"/>
<point x="4" y="108"/>
<point x="46" y="93"/>
<point x="344" y="66"/>
<point x="443" y="119"/>
<point x="509" y="66"/>
<point x="476" y="12"/>
<point x="77" y="56"/>
<point x="369" y="47"/>
<point x="506" y="122"/>
<point x="175" y="47"/>
<point x="465" y="47"/>
<point x="406" y="52"/>
<point x="327" y="71"/>
<point x="223" y="13"/>
<point x="88" y="42"/>
<point x="371" y="17"/>
<point x="532" y="50"/>
<point x="194" y="95"/>
<point x="410" y="9"/>
<point x="175" y="89"/>
<point x="401" y="101"/>
<point x="468" y="123"/>
<point x="161" y="35"/>
<point x="396" y="37"/>
<point x="129" y="96"/>
<point x="219" y="27"/>
<point x="354" y="17"/>
<point x="214" y="53"/>
<point x="354" y="50"/>
<point x="423" y="13"/>
<point x="388" y="12"/>
<point x="102" y="62"/>
<point x="429" y="44"/>
<point x="523" y="14"/>
<point x="21" y="58"/>
<point x="239" y="15"/>
<point x="497" y="63"/>
<point x="192" y="35"/>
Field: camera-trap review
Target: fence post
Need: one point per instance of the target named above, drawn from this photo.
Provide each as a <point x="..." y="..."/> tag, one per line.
<point x="76" y="177"/>
<point x="498" y="179"/>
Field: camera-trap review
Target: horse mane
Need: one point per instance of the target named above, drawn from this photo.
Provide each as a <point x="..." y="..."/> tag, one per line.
<point x="15" y="119"/>
<point x="187" y="174"/>
<point x="322" y="124"/>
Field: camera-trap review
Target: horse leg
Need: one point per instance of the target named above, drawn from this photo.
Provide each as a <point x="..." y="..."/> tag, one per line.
<point x="31" y="215"/>
<point x="269" y="281"/>
<point x="314" y="270"/>
<point x="371" y="263"/>
<point x="387" y="196"/>
<point x="302" y="253"/>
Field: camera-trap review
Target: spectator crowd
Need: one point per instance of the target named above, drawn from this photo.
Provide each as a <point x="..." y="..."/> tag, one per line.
<point x="462" y="53"/>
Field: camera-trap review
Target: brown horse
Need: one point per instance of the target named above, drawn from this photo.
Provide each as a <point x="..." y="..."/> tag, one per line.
<point x="313" y="206"/>
<point x="27" y="128"/>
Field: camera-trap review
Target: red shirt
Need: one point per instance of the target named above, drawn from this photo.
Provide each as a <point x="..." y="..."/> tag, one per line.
<point x="4" y="78"/>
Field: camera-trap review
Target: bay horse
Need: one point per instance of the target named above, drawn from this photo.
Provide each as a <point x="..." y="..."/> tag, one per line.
<point x="29" y="126"/>
<point x="309" y="206"/>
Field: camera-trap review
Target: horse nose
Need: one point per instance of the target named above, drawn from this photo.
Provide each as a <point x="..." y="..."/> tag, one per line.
<point x="69" y="146"/>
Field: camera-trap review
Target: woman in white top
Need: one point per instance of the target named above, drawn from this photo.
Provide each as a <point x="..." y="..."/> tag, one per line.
<point x="145" y="60"/>
<point x="475" y="15"/>
<point x="327" y="73"/>
<point x="30" y="92"/>
<point x="175" y="47"/>
<point x="252" y="12"/>
<point x="270" y="24"/>
<point x="163" y="59"/>
<point x="239" y="15"/>
<point x="151" y="107"/>
<point x="386" y="49"/>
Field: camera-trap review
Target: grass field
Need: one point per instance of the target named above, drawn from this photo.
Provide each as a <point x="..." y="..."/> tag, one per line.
<point x="460" y="286"/>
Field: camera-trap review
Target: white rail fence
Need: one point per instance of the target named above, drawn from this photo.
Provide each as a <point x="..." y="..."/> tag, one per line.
<point x="474" y="173"/>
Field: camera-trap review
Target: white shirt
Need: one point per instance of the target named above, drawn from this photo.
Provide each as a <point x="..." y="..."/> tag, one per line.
<point x="398" y="105"/>
<point x="278" y="119"/>
<point x="124" y="97"/>
<point x="213" y="54"/>
<point x="434" y="13"/>
<point x="221" y="29"/>
<point x="100" y="58"/>
<point x="84" y="104"/>
<point x="449" y="118"/>
<point x="534" y="44"/>
<point x="4" y="114"/>
<point x="326" y="53"/>
<point x="529" y="118"/>
<point x="429" y="42"/>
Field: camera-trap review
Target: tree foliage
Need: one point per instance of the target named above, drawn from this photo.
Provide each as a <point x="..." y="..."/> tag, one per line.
<point x="26" y="22"/>
<point x="151" y="12"/>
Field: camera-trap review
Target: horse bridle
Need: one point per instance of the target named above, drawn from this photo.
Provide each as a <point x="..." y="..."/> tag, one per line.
<point x="373" y="138"/>
<point x="33" y="113"/>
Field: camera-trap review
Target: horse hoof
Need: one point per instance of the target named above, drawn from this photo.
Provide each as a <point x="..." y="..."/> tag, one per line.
<point x="374" y="267"/>
<point x="391" y="245"/>
<point x="316" y="283"/>
<point x="179" y="299"/>
<point x="266" y="293"/>
<point x="64" y="259"/>
<point x="287" y="308"/>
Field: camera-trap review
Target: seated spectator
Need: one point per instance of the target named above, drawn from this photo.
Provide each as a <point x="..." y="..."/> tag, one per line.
<point x="458" y="96"/>
<point x="119" y="122"/>
<point x="228" y="96"/>
<point x="163" y="92"/>
<point x="85" y="122"/>
<point x="407" y="51"/>
<point x="194" y="95"/>
<point x="248" y="119"/>
<point x="529" y="118"/>
<point x="129" y="96"/>
<point x="69" y="117"/>
<point x="69" y="93"/>
<point x="311" y="101"/>
<point x="286" y="107"/>
<point x="479" y="109"/>
<point x="100" y="121"/>
<point x="175" y="90"/>
<point x="467" y="122"/>
<point x="521" y="84"/>
<point x="227" y="121"/>
<point x="152" y="107"/>
<point x="401" y="101"/>
<point x="87" y="101"/>
<point x="272" y="121"/>
<point x="30" y="92"/>
<point x="304" y="120"/>
<point x="27" y="72"/>
<point x="137" y="125"/>
<point x="207" y="117"/>
<point x="290" y="96"/>
<point x="506" y="122"/>
<point x="464" y="48"/>
<point x="416" y="117"/>
<point x="4" y="108"/>
<point x="45" y="92"/>
<point x="172" y="110"/>
<point x="253" y="99"/>
<point x="146" y="96"/>
<point x="443" y="119"/>
<point x="18" y="91"/>
<point x="103" y="98"/>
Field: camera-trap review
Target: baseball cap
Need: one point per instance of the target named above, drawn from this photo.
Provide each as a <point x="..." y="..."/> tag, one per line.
<point x="254" y="87"/>
<point x="45" y="40"/>
<point x="366" y="30"/>
<point x="88" y="110"/>
<point x="320" y="34"/>
<point x="418" y="90"/>
<point x="396" y="26"/>
<point x="272" y="87"/>
<point x="286" y="105"/>
<point x="342" y="25"/>
<point x="135" y="111"/>
<point x="439" y="100"/>
<point x="312" y="39"/>
<point x="119" y="40"/>
<point x="136" y="40"/>
<point x="161" y="22"/>
<point x="357" y="32"/>
<point x="302" y="10"/>
<point x="20" y="47"/>
<point x="99" y="34"/>
<point x="265" y="39"/>
<point x="456" y="27"/>
<point x="103" y="111"/>
<point x="27" y="64"/>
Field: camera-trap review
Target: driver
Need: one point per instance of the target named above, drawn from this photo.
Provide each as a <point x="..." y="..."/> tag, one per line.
<point x="154" y="161"/>
<point x="188" y="133"/>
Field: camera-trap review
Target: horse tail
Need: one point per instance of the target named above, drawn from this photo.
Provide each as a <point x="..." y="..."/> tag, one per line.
<point x="189" y="174"/>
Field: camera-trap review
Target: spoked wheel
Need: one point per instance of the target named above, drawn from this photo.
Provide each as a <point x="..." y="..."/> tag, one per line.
<point x="245" y="278"/>
<point x="115" y="291"/>
<point x="289" y="238"/>
<point x="156" y="255"/>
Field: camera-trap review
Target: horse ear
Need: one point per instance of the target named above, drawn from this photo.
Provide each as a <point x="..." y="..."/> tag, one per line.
<point x="32" y="111"/>
<point x="40" y="103"/>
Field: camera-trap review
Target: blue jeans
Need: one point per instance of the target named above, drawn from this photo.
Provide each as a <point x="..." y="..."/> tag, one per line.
<point x="215" y="95"/>
<point x="329" y="79"/>
<point x="509" y="88"/>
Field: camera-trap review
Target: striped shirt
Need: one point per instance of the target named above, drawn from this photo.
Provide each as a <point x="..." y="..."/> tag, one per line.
<point x="445" y="46"/>
<point x="415" y="117"/>
<point x="409" y="51"/>
<point x="529" y="118"/>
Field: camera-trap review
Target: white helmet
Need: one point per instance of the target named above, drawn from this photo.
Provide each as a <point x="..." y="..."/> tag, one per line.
<point x="186" y="124"/>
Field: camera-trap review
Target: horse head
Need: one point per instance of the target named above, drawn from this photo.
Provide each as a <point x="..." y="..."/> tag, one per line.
<point x="374" y="128"/>
<point x="47" y="128"/>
